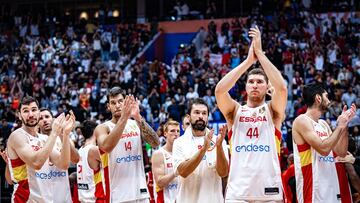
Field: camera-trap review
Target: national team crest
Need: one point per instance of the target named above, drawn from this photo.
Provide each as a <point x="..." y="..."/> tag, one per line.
<point x="262" y="110"/>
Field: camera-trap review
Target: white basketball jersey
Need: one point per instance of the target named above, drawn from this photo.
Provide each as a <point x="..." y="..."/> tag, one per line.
<point x="32" y="185"/>
<point x="254" y="168"/>
<point x="61" y="185"/>
<point x="316" y="175"/>
<point x="168" y="194"/>
<point x="124" y="166"/>
<point x="90" y="187"/>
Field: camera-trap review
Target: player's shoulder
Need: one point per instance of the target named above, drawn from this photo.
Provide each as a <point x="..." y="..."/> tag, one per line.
<point x="17" y="134"/>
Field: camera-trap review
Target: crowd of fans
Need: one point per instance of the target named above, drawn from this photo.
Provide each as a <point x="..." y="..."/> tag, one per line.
<point x="72" y="66"/>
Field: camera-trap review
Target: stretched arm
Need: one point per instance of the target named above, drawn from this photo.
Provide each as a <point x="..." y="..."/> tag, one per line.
<point x="226" y="104"/>
<point x="158" y="168"/>
<point x="279" y="98"/>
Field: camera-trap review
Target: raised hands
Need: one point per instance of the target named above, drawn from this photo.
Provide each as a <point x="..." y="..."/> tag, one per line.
<point x="69" y="123"/>
<point x="255" y="34"/>
<point x="57" y="124"/>
<point x="251" y="57"/>
<point x="135" y="109"/>
<point x="346" y="115"/>
<point x="126" y="107"/>
<point x="221" y="136"/>
<point x="208" y="143"/>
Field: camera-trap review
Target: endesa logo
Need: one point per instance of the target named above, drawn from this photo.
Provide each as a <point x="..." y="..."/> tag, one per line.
<point x="127" y="159"/>
<point x="50" y="175"/>
<point x="248" y="119"/>
<point x="172" y="186"/>
<point x="328" y="159"/>
<point x="252" y="148"/>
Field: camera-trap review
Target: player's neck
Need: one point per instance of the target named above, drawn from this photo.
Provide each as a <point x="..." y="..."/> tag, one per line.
<point x="90" y="141"/>
<point x="45" y="132"/>
<point x="168" y="147"/>
<point x="254" y="104"/>
<point x="30" y="130"/>
<point x="115" y="119"/>
<point x="198" y="133"/>
<point x="313" y="113"/>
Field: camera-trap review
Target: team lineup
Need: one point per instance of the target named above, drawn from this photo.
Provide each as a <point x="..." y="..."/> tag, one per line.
<point x="195" y="167"/>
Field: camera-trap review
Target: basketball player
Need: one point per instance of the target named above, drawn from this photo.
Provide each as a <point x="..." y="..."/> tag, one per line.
<point x="318" y="177"/>
<point x="30" y="154"/>
<point x="60" y="183"/>
<point x="255" y="135"/>
<point x="120" y="143"/>
<point x="89" y="179"/>
<point x="200" y="158"/>
<point x="166" y="182"/>
<point x="185" y="122"/>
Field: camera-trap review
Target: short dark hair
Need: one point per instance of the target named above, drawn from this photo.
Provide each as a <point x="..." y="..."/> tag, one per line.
<point x="310" y="91"/>
<point x="46" y="109"/>
<point x="87" y="128"/>
<point x="114" y="92"/>
<point x="197" y="101"/>
<point x="258" y="71"/>
<point x="27" y="100"/>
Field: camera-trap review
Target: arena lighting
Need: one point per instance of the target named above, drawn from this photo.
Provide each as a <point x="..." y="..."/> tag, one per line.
<point x="67" y="13"/>
<point x="84" y="15"/>
<point x="96" y="15"/>
<point x="116" y="13"/>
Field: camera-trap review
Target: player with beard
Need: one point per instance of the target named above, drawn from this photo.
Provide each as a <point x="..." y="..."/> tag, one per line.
<point x="255" y="135"/>
<point x="200" y="158"/>
<point x="61" y="186"/>
<point x="120" y="143"/>
<point x="30" y="154"/>
<point x="318" y="177"/>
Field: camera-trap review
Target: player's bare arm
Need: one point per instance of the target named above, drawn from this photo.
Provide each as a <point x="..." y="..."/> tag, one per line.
<point x="74" y="154"/>
<point x="225" y="103"/>
<point x="188" y="166"/>
<point x="158" y="169"/>
<point x="18" y="146"/>
<point x="303" y="131"/>
<point x="147" y="132"/>
<point x="62" y="159"/>
<point x="222" y="166"/>
<point x="108" y="140"/>
<point x="94" y="159"/>
<point x="279" y="98"/>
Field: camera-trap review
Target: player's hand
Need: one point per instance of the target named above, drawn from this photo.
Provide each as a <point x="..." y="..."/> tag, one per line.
<point x="4" y="155"/>
<point x="135" y="109"/>
<point x="255" y="34"/>
<point x="208" y="140"/>
<point x="126" y="108"/>
<point x="346" y="115"/>
<point x="69" y="123"/>
<point x="251" y="57"/>
<point x="349" y="158"/>
<point x="57" y="124"/>
<point x="221" y="136"/>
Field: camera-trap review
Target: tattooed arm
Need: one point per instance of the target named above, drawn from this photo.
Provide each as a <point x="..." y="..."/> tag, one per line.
<point x="148" y="134"/>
